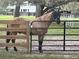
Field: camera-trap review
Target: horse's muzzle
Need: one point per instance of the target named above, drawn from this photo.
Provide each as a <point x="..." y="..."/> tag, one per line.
<point x="58" y="21"/>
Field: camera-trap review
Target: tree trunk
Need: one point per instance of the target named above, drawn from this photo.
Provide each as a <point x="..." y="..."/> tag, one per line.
<point x="39" y="10"/>
<point x="17" y="8"/>
<point x="42" y="7"/>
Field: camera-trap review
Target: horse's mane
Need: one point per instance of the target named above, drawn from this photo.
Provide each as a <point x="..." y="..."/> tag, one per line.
<point x="48" y="11"/>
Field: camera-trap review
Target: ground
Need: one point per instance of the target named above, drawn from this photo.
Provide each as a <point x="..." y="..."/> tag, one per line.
<point x="18" y="55"/>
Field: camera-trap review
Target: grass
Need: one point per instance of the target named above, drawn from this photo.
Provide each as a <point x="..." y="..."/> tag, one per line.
<point x="63" y="18"/>
<point x="8" y="17"/>
<point x="15" y="55"/>
<point x="61" y="31"/>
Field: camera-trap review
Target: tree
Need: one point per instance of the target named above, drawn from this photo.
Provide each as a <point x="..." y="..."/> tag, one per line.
<point x="72" y="6"/>
<point x="17" y="8"/>
<point x="49" y="3"/>
<point x="40" y="4"/>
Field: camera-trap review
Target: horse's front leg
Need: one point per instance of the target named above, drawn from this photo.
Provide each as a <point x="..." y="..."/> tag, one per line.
<point x="40" y="39"/>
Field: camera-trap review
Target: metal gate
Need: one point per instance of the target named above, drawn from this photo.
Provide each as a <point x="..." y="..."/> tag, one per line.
<point x="63" y="37"/>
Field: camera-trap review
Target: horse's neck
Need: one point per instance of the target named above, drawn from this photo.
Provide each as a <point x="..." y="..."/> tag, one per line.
<point x="45" y="17"/>
<point x="42" y="21"/>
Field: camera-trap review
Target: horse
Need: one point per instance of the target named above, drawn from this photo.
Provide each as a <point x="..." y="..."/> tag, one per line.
<point x="42" y="22"/>
<point x="15" y="33"/>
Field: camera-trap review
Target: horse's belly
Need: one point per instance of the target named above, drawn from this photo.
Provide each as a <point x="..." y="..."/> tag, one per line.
<point x="39" y="31"/>
<point x="40" y="27"/>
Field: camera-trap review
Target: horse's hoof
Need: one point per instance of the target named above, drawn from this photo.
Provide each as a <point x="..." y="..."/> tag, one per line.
<point x="6" y="48"/>
<point x="15" y="49"/>
<point x="41" y="51"/>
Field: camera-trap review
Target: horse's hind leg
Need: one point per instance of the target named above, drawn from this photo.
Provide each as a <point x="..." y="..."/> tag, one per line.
<point x="40" y="39"/>
<point x="13" y="41"/>
<point x="7" y="41"/>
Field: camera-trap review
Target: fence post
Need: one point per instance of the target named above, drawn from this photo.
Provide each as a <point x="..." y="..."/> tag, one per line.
<point x="64" y="36"/>
<point x="30" y="38"/>
<point x="28" y="35"/>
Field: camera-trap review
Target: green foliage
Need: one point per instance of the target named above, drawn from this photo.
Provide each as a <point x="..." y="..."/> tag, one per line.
<point x="2" y="11"/>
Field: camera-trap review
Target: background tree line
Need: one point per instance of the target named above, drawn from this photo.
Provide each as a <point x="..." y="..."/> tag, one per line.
<point x="40" y="4"/>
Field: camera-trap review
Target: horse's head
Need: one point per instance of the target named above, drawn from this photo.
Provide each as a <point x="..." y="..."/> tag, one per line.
<point x="55" y="15"/>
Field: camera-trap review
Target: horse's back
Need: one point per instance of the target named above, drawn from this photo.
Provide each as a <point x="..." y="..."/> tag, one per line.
<point x="19" y="23"/>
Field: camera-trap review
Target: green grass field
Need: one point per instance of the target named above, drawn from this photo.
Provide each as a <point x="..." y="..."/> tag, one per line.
<point x="8" y="17"/>
<point x="63" y="18"/>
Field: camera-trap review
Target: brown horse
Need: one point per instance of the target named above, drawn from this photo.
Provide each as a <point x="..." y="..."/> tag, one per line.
<point x="42" y="24"/>
<point x="15" y="33"/>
